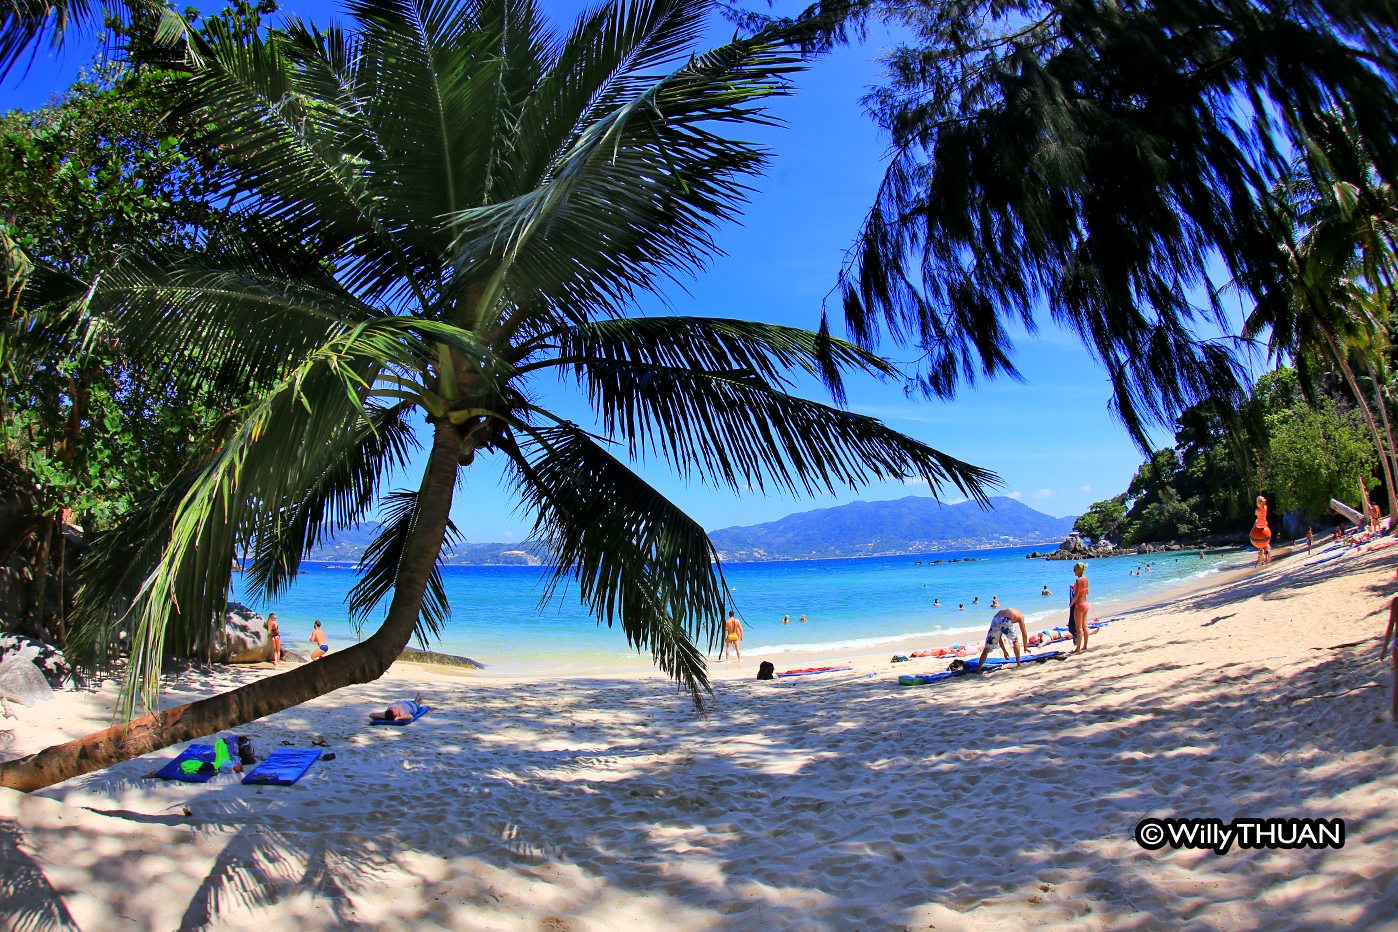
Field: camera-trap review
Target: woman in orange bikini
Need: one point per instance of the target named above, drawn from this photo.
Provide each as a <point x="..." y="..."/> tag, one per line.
<point x="1077" y="607"/>
<point x="1261" y="534"/>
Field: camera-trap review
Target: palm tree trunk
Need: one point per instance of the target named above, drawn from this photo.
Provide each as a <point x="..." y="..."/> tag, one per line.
<point x="360" y="663"/>
<point x="1380" y="396"/>
<point x="1338" y="352"/>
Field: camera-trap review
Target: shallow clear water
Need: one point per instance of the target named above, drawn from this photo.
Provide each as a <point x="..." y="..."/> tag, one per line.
<point x="851" y="605"/>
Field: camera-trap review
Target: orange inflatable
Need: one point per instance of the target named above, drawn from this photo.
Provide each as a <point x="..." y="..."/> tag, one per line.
<point x="1261" y="534"/>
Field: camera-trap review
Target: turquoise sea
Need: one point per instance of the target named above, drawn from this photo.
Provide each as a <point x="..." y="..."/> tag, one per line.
<point x="852" y="606"/>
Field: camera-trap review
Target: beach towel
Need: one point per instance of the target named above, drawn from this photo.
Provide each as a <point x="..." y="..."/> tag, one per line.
<point x="1010" y="661"/>
<point x="418" y="712"/>
<point x="283" y="766"/>
<point x="961" y="668"/>
<point x="811" y="671"/>
<point x="203" y="753"/>
<point x="926" y="679"/>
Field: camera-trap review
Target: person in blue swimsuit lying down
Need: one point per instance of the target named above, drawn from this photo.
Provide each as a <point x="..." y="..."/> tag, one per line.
<point x="1003" y="625"/>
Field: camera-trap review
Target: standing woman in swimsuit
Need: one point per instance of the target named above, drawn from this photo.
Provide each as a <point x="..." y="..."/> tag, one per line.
<point x="1077" y="607"/>
<point x="274" y="638"/>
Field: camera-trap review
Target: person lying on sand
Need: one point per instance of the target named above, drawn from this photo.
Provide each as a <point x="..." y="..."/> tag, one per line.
<point x="1003" y="625"/>
<point x="402" y="710"/>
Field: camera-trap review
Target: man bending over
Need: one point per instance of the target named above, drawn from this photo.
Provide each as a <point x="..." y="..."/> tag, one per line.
<point x="1003" y="625"/>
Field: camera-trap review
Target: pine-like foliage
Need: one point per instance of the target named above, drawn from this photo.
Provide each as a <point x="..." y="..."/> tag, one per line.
<point x="1109" y="163"/>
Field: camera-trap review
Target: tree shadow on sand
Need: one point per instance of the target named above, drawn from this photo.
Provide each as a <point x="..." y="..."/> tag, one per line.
<point x="856" y="803"/>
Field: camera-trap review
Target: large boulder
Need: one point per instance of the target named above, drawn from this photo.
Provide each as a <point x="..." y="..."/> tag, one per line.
<point x="242" y="638"/>
<point x="1075" y="548"/>
<point x="47" y="658"/>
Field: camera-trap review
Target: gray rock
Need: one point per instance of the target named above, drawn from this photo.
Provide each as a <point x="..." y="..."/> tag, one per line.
<point x="47" y="658"/>
<point x="1075" y="548"/>
<point x="242" y="638"/>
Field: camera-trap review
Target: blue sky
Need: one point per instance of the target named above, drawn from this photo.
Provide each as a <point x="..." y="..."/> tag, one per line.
<point x="1052" y="438"/>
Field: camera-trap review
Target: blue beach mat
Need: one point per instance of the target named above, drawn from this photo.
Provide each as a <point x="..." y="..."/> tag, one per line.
<point x="991" y="663"/>
<point x="204" y="753"/>
<point x="418" y="712"/>
<point x="1010" y="661"/>
<point x="927" y="679"/>
<point x="284" y="766"/>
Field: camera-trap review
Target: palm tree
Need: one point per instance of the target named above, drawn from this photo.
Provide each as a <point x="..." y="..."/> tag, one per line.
<point x="27" y="24"/>
<point x="438" y="210"/>
<point x="1340" y="256"/>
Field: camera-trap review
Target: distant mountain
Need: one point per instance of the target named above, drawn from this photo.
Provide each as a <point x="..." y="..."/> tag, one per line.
<point x="348" y="546"/>
<point x="916" y="524"/>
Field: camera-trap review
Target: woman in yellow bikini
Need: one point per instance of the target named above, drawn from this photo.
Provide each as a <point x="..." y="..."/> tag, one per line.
<point x="1077" y="607"/>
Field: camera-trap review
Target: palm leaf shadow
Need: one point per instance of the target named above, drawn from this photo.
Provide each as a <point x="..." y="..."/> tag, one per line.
<point x="258" y="865"/>
<point x="27" y="899"/>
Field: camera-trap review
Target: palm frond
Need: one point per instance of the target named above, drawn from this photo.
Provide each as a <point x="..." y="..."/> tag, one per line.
<point x="258" y="325"/>
<point x="378" y="568"/>
<point x="173" y="580"/>
<point x="636" y="558"/>
<point x="27" y="24"/>
<point x="337" y="499"/>
<point x="712" y="344"/>
<point x="734" y="428"/>
<point x="288" y="121"/>
<point x="635" y="196"/>
<point x="604" y="62"/>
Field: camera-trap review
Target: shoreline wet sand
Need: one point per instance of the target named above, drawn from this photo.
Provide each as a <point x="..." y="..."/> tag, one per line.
<point x="845" y="801"/>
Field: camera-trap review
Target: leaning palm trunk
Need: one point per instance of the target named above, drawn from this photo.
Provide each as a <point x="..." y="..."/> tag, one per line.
<point x="487" y="240"/>
<point x="362" y="663"/>
<point x="1381" y="402"/>
<point x="1379" y="446"/>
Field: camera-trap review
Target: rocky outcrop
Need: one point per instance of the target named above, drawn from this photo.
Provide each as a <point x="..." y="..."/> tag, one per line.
<point x="1075" y="548"/>
<point x="413" y="655"/>
<point x="47" y="658"/>
<point x="242" y="638"/>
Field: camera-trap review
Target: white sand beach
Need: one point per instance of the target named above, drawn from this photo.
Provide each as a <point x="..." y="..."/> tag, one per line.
<point x="838" y="802"/>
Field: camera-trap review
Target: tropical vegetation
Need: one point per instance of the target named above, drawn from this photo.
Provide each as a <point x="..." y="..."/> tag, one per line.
<point x="1304" y="450"/>
<point x="395" y="231"/>
<point x="428" y="215"/>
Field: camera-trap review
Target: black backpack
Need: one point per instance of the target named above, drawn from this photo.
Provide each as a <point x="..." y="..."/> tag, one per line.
<point x="765" y="670"/>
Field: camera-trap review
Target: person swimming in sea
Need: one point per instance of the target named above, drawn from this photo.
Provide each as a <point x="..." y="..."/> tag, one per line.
<point x="1046" y="591"/>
